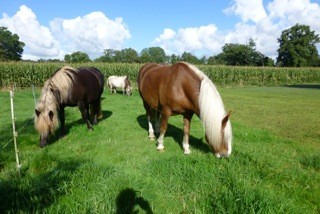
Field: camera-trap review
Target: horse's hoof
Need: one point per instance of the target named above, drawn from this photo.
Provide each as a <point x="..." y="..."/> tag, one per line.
<point x="187" y="152"/>
<point x="152" y="138"/>
<point x="160" y="148"/>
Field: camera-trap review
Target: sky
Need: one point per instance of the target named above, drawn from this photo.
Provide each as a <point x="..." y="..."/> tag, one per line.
<point x="51" y="29"/>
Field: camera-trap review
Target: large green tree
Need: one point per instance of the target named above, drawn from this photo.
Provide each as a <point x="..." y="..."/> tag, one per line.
<point x="298" y="47"/>
<point x="189" y="57"/>
<point x="77" y="56"/>
<point x="10" y="46"/>
<point x="153" y="54"/>
<point x="128" y="55"/>
<point x="243" y="55"/>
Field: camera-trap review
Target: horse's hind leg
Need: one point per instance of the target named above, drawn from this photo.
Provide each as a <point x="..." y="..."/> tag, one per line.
<point x="95" y="111"/>
<point x="165" y="113"/>
<point x="150" y="129"/>
<point x="149" y="116"/>
<point x="157" y="124"/>
<point x="84" y="109"/>
<point x="186" y="129"/>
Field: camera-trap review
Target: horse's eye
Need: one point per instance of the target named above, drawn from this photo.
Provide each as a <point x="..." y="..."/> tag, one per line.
<point x="51" y="115"/>
<point x="37" y="112"/>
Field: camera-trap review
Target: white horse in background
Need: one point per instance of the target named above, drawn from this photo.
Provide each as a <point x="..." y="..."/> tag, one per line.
<point x="122" y="82"/>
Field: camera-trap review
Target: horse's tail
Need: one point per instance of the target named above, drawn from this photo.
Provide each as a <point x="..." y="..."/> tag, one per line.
<point x="213" y="115"/>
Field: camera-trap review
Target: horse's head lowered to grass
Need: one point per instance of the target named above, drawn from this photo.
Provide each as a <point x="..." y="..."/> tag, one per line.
<point x="68" y="86"/>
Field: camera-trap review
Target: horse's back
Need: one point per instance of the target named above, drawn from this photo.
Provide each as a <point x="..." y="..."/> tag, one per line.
<point x="176" y="86"/>
<point x="116" y="81"/>
<point x="91" y="83"/>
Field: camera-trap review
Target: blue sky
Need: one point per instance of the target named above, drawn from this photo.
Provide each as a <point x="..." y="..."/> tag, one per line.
<point x="53" y="28"/>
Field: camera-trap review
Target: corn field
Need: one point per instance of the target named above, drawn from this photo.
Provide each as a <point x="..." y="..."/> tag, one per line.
<point x="26" y="74"/>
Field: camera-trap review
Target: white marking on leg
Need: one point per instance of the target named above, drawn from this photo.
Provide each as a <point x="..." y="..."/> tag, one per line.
<point x="151" y="131"/>
<point x="185" y="145"/>
<point x="160" y="146"/>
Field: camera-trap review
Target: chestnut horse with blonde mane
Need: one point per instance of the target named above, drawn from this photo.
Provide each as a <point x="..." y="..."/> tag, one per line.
<point x="68" y="86"/>
<point x="183" y="89"/>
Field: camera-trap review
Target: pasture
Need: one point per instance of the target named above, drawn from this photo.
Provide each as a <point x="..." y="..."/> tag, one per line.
<point x="274" y="166"/>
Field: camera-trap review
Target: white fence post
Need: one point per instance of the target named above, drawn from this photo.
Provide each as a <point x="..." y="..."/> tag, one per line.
<point x="15" y="134"/>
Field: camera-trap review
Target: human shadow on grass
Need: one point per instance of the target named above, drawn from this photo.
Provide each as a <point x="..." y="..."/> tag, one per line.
<point x="53" y="138"/>
<point x="177" y="134"/>
<point x="305" y="86"/>
<point x="33" y="194"/>
<point x="128" y="201"/>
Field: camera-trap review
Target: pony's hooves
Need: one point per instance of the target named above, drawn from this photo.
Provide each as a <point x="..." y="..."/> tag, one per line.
<point x="152" y="138"/>
<point x="187" y="152"/>
<point x="160" y="148"/>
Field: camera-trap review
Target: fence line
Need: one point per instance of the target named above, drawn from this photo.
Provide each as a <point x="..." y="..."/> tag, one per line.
<point x="30" y="118"/>
<point x="14" y="138"/>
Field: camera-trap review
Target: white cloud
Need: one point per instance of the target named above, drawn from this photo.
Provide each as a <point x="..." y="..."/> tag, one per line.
<point x="203" y="38"/>
<point x="290" y="12"/>
<point x="263" y="25"/>
<point x="91" y="34"/>
<point x="247" y="10"/>
<point x="38" y="39"/>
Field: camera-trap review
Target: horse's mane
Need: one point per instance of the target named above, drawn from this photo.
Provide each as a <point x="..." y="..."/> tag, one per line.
<point x="56" y="88"/>
<point x="212" y="110"/>
<point x="63" y="78"/>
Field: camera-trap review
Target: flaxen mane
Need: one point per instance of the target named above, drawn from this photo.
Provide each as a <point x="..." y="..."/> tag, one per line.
<point x="55" y="90"/>
<point x="212" y="109"/>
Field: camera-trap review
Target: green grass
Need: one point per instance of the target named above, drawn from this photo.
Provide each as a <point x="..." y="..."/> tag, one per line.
<point x="274" y="167"/>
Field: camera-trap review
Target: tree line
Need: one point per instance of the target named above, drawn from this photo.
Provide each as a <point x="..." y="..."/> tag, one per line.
<point x="297" y="48"/>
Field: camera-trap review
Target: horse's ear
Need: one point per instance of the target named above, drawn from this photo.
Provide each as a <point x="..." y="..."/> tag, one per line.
<point x="51" y="115"/>
<point x="225" y="120"/>
<point x="37" y="112"/>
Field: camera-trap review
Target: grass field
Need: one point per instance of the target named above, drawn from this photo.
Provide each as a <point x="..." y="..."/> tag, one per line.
<point x="274" y="167"/>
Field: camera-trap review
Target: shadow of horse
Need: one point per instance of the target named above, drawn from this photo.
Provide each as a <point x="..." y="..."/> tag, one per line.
<point x="305" y="86"/>
<point x="177" y="134"/>
<point x="128" y="200"/>
<point x="105" y="115"/>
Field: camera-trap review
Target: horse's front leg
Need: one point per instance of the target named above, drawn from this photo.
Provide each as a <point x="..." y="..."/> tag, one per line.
<point x="186" y="130"/>
<point x="84" y="109"/>
<point x="165" y="113"/>
<point x="62" y="122"/>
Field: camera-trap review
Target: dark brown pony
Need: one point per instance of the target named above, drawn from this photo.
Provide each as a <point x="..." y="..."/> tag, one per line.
<point x="68" y="86"/>
<point x="183" y="89"/>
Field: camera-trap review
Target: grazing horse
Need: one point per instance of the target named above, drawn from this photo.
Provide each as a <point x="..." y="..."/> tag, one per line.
<point x="122" y="82"/>
<point x="183" y="89"/>
<point x="68" y="86"/>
